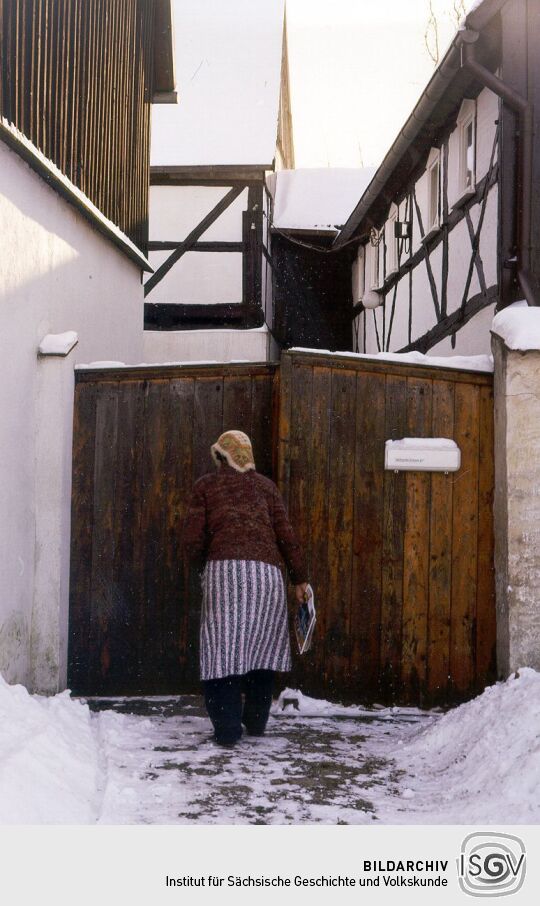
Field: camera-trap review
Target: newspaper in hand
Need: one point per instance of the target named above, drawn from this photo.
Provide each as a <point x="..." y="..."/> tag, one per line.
<point x="304" y="623"/>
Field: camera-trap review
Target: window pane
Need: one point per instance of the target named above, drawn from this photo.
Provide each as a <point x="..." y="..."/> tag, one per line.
<point x="434" y="195"/>
<point x="469" y="159"/>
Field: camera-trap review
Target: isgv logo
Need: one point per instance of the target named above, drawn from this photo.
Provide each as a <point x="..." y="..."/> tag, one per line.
<point x="491" y="864"/>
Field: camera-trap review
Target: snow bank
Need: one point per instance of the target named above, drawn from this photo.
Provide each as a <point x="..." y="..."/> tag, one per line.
<point x="462" y="362"/>
<point x="49" y="762"/>
<point x="519" y="326"/>
<point x="481" y="762"/>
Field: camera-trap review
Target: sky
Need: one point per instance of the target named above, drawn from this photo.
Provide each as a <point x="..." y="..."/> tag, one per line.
<point x="357" y="68"/>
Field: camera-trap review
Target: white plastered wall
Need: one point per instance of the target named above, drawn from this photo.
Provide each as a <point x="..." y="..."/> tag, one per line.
<point x="56" y="274"/>
<point x="223" y="345"/>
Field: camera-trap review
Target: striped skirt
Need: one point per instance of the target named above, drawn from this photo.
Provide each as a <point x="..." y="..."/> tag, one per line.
<point x="244" y="623"/>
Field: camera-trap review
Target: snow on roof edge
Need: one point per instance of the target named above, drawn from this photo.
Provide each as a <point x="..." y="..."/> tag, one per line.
<point x="21" y="144"/>
<point x="318" y="198"/>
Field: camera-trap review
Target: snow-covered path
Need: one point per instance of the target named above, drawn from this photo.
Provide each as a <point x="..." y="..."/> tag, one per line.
<point x="151" y="761"/>
<point x="163" y="768"/>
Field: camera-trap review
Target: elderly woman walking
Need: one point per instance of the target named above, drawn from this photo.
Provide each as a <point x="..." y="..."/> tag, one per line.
<point x="238" y="523"/>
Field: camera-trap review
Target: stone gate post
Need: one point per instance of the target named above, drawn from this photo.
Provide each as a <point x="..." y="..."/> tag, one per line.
<point x="517" y="492"/>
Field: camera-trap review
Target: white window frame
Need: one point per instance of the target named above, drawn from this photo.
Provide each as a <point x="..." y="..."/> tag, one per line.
<point x="374" y="267"/>
<point x="391" y="242"/>
<point x="433" y="212"/>
<point x="466" y="119"/>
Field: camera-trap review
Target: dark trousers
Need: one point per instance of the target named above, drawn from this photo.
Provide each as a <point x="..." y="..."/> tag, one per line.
<point x="223" y="698"/>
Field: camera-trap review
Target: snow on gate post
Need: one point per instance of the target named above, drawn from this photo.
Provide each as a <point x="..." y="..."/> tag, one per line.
<point x="54" y="430"/>
<point x="516" y="351"/>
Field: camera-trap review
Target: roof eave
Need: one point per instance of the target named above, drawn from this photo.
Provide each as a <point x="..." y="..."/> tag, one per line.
<point x="164" y="82"/>
<point x="444" y="76"/>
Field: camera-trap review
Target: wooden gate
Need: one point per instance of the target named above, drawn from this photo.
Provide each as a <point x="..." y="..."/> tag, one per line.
<point x="141" y="438"/>
<point x="402" y="563"/>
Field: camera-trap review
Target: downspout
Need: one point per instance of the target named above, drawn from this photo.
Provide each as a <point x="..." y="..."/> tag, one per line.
<point x="524" y="109"/>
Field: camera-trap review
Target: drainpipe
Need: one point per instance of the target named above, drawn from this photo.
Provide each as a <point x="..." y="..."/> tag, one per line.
<point x="524" y="110"/>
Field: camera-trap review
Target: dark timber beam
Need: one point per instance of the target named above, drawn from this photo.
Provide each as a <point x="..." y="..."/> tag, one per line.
<point x="193" y="238"/>
<point x="168" y="245"/>
<point x="192" y="316"/>
<point x="207" y="175"/>
<point x="453" y="322"/>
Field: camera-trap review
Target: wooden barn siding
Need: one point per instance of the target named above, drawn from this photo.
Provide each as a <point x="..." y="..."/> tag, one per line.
<point x="402" y="563"/>
<point x="141" y="439"/>
<point x="76" y="79"/>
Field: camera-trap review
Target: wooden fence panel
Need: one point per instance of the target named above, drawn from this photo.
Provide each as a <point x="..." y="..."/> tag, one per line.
<point x="402" y="563"/>
<point x="141" y="438"/>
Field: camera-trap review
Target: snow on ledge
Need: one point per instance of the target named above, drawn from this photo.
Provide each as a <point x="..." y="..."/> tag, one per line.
<point x="59" y="344"/>
<point x="188" y="363"/>
<point x="103" y="364"/>
<point x="518" y="326"/>
<point x="209" y="330"/>
<point x="461" y="362"/>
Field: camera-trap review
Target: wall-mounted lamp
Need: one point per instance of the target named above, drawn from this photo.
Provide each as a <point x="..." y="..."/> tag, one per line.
<point x="402" y="229"/>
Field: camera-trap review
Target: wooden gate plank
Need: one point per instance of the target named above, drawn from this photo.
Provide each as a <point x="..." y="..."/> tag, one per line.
<point x="207" y="426"/>
<point x="82" y="508"/>
<point x="129" y="553"/>
<point x="179" y="469"/>
<point x="284" y="426"/>
<point x="182" y="393"/>
<point x="392" y="550"/>
<point x="318" y="512"/>
<point x="300" y="493"/>
<point x="207" y="422"/>
<point x="102" y="603"/>
<point x="237" y="404"/>
<point x="340" y="526"/>
<point x="486" y="629"/>
<point x="300" y="454"/>
<point x="465" y="539"/>
<point x="153" y="522"/>
<point x="261" y="422"/>
<point x="416" y="551"/>
<point x="440" y="561"/>
<point x="367" y="538"/>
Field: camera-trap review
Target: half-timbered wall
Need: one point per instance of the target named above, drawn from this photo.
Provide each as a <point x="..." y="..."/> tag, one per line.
<point x="209" y="295"/>
<point x="76" y="79"/>
<point x="440" y="288"/>
<point x="209" y="278"/>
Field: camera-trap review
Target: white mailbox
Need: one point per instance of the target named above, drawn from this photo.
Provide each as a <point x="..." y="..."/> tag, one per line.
<point x="422" y="454"/>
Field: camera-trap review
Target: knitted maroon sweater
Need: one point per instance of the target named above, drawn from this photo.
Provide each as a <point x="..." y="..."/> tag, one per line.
<point x="241" y="516"/>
